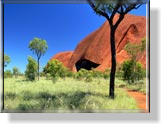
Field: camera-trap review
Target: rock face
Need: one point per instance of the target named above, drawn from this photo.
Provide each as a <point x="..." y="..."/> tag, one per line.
<point x="63" y="57"/>
<point x="94" y="50"/>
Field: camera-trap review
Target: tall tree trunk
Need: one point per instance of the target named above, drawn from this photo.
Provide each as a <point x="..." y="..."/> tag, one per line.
<point x="38" y="69"/>
<point x="113" y="62"/>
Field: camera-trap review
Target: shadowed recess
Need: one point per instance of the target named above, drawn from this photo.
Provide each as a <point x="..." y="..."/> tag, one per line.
<point x="85" y="64"/>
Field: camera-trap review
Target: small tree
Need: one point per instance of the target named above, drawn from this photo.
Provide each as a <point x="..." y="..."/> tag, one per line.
<point x="6" y="60"/>
<point x="31" y="69"/>
<point x="39" y="47"/>
<point x="132" y="70"/>
<point x="55" y="69"/>
<point x="15" y="71"/>
<point x="108" y="9"/>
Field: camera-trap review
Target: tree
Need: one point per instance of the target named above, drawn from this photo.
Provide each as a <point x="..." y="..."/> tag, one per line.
<point x="39" y="47"/>
<point x="56" y="69"/>
<point x="31" y="69"/>
<point x="132" y="70"/>
<point x="108" y="9"/>
<point x="15" y="71"/>
<point x="6" y="60"/>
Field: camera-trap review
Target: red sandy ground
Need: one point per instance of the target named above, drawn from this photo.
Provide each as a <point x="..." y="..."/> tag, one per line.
<point x="140" y="99"/>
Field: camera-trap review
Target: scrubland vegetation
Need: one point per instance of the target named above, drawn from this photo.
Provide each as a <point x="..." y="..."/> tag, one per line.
<point x="60" y="90"/>
<point x="65" y="95"/>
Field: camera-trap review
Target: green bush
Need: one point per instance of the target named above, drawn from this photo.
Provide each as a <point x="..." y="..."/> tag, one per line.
<point x="96" y="73"/>
<point x="132" y="71"/>
<point x="69" y="73"/>
<point x="84" y="74"/>
<point x="81" y="74"/>
<point x="106" y="74"/>
<point x="16" y="72"/>
<point x="8" y="74"/>
<point x="31" y="69"/>
<point x="88" y="77"/>
<point x="56" y="69"/>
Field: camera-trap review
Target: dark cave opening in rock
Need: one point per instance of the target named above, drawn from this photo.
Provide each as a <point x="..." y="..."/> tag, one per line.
<point x="85" y="64"/>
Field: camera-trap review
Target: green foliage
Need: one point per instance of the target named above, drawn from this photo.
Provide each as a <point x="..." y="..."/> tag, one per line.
<point x="84" y="74"/>
<point x="96" y="73"/>
<point x="8" y="74"/>
<point x="69" y="73"/>
<point x="132" y="71"/>
<point x="81" y="74"/>
<point x="39" y="47"/>
<point x="6" y="60"/>
<point x="16" y="71"/>
<point x="88" y="75"/>
<point x="139" y="86"/>
<point x="108" y="8"/>
<point x="31" y="69"/>
<point x="134" y="50"/>
<point x="106" y="74"/>
<point x="55" y="69"/>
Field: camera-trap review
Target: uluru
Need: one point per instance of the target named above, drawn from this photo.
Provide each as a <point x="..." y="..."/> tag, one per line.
<point x="94" y="50"/>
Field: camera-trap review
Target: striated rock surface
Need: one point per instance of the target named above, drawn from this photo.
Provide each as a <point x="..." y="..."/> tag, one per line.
<point x="94" y="50"/>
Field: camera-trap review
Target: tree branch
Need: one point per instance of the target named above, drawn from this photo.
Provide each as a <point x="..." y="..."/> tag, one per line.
<point x="131" y="7"/>
<point x="114" y="12"/>
<point x="97" y="10"/>
<point x="121" y="17"/>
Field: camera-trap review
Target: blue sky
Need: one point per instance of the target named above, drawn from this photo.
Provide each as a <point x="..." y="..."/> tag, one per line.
<point x="63" y="26"/>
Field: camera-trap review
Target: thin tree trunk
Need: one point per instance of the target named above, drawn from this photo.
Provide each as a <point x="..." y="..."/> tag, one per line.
<point x="113" y="62"/>
<point x="38" y="69"/>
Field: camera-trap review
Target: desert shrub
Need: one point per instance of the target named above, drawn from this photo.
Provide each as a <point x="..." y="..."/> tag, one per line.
<point x="80" y="74"/>
<point x="84" y="74"/>
<point x="96" y="73"/>
<point x="69" y="73"/>
<point x="16" y="72"/>
<point x="31" y="69"/>
<point x="106" y="74"/>
<point x="56" y="69"/>
<point x="132" y="71"/>
<point x="8" y="74"/>
<point x="42" y="74"/>
<point x="88" y="76"/>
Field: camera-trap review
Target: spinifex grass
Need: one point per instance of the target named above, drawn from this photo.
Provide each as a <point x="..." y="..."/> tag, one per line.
<point x="66" y="95"/>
